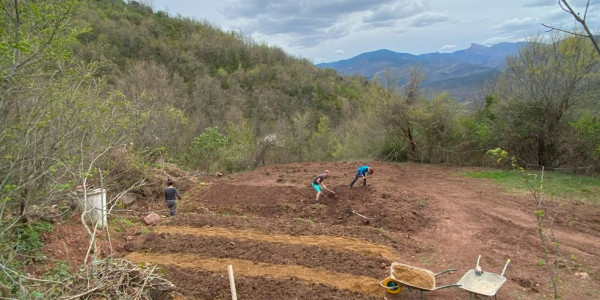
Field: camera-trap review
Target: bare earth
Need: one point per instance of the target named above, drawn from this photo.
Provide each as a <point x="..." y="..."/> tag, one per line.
<point x="284" y="246"/>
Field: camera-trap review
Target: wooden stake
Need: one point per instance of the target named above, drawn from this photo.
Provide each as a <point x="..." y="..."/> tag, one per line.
<point x="232" y="282"/>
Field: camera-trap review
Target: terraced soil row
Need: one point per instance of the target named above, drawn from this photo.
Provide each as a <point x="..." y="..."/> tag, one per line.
<point x="345" y="265"/>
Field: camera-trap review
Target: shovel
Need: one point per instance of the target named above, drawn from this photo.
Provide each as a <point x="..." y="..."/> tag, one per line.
<point x="330" y="194"/>
<point x="367" y="219"/>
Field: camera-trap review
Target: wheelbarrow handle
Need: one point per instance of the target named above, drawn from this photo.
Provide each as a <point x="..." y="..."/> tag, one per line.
<point x="447" y="286"/>
<point x="442" y="272"/>
<point x="504" y="270"/>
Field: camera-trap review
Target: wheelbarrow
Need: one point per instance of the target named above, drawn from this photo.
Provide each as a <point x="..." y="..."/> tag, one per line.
<point x="413" y="279"/>
<point x="480" y="284"/>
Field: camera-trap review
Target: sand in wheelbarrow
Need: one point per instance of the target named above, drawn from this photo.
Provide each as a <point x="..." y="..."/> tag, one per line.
<point x="415" y="277"/>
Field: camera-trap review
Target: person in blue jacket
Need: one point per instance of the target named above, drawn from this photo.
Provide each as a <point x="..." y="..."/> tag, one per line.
<point x="363" y="171"/>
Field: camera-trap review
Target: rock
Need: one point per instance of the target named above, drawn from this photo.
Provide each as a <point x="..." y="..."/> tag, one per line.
<point x="151" y="219"/>
<point x="128" y="198"/>
<point x="149" y="191"/>
<point x="383" y="265"/>
<point x="583" y="275"/>
<point x="45" y="213"/>
<point x="218" y="174"/>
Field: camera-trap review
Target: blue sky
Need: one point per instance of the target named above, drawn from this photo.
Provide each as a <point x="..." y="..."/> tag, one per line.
<point x="331" y="30"/>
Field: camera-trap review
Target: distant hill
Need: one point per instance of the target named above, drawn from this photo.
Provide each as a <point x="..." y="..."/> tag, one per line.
<point x="459" y="73"/>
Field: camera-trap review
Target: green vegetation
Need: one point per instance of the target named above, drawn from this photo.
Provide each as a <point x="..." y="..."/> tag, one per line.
<point x="28" y="237"/>
<point x="95" y="92"/>
<point x="562" y="185"/>
<point x="419" y="201"/>
<point x="120" y="224"/>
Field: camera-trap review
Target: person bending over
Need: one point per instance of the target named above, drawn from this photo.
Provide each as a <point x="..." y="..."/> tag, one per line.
<point x="362" y="171"/>
<point x="318" y="184"/>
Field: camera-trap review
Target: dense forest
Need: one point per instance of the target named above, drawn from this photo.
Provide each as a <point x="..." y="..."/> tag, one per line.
<point x="96" y="91"/>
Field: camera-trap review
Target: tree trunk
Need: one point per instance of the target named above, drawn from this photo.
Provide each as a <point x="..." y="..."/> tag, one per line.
<point x="413" y="144"/>
<point x="541" y="152"/>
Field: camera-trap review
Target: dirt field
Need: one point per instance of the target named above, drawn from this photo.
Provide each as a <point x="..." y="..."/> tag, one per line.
<point x="284" y="246"/>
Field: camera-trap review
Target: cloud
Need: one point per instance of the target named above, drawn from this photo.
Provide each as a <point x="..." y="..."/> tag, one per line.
<point x="428" y="19"/>
<point x="395" y="11"/>
<point x="340" y="52"/>
<point x="306" y="8"/>
<point x="499" y="39"/>
<point x="306" y="23"/>
<point x="544" y="3"/>
<point x="538" y="3"/>
<point x="447" y="48"/>
<point x="516" y="24"/>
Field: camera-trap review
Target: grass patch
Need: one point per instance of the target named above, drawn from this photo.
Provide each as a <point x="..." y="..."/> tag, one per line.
<point x="427" y="260"/>
<point x="562" y="185"/>
<point x="419" y="201"/>
<point x="120" y="224"/>
<point x="311" y="222"/>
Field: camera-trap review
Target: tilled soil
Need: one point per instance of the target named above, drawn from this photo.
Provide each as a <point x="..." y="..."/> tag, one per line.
<point x="282" y="245"/>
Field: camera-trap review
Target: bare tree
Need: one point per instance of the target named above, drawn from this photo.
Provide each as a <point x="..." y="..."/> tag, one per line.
<point x="412" y="91"/>
<point x="581" y="20"/>
<point x="397" y="105"/>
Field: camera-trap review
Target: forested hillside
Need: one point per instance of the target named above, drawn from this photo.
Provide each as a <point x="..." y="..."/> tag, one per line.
<point x="81" y="78"/>
<point x="95" y="92"/>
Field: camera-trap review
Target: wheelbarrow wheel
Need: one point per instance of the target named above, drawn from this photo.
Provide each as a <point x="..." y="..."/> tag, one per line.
<point x="392" y="286"/>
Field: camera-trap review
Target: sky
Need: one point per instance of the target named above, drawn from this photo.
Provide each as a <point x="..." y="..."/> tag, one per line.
<point x="332" y="30"/>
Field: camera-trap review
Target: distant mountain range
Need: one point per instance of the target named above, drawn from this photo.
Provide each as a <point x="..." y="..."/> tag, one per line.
<point x="461" y="73"/>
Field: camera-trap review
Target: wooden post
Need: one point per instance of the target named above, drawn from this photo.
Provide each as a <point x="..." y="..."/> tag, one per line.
<point x="232" y="282"/>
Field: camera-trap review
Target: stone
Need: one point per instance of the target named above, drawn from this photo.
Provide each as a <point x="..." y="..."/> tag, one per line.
<point x="151" y="219"/>
<point x="582" y="275"/>
<point x="128" y="198"/>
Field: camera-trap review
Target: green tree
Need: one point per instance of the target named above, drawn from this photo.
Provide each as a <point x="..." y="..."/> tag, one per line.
<point x="37" y="91"/>
<point x="324" y="145"/>
<point x="584" y="141"/>
<point x="542" y="84"/>
<point x="436" y="122"/>
<point x="241" y="146"/>
<point x="298" y="140"/>
<point x="206" y="150"/>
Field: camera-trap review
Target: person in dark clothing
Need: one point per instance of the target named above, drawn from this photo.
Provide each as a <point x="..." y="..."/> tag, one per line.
<point x="362" y="172"/>
<point x="317" y="183"/>
<point x="171" y="194"/>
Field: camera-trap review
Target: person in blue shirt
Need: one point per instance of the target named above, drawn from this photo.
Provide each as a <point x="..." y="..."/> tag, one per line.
<point x="363" y="171"/>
